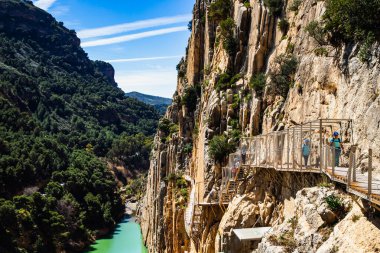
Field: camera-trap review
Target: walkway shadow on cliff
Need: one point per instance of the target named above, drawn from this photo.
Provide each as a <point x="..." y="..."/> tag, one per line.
<point x="373" y="215"/>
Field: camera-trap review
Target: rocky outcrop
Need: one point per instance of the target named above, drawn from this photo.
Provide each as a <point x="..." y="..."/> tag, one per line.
<point x="333" y="85"/>
<point x="318" y="224"/>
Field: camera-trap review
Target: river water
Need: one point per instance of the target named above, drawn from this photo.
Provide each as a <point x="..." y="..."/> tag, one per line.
<point x="126" y="238"/>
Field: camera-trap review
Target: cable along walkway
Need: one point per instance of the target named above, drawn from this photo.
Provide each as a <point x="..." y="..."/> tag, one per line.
<point x="283" y="151"/>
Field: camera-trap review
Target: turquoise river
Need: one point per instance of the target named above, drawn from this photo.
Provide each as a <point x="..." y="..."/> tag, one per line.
<point x="126" y="238"/>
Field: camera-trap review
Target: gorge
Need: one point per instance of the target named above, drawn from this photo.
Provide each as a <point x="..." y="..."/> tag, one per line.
<point x="270" y="143"/>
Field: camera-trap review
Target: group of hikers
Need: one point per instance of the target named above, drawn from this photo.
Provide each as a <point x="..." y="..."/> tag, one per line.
<point x="335" y="142"/>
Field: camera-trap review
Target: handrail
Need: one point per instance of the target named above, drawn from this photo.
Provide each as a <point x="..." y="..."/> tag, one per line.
<point x="283" y="151"/>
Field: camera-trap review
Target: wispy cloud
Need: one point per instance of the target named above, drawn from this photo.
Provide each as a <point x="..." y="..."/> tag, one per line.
<point x="141" y="24"/>
<point x="144" y="59"/>
<point x="59" y="10"/>
<point x="44" y="4"/>
<point x="134" y="36"/>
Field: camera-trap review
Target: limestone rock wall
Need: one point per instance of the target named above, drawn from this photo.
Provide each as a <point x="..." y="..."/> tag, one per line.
<point x="335" y="85"/>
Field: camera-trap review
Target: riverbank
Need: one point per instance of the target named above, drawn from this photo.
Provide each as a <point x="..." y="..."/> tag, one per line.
<point x="126" y="238"/>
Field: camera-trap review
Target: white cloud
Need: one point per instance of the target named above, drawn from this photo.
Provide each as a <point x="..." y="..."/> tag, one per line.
<point x="59" y="10"/>
<point x="144" y="59"/>
<point x="141" y="24"/>
<point x="134" y="36"/>
<point x="159" y="83"/>
<point x="44" y="4"/>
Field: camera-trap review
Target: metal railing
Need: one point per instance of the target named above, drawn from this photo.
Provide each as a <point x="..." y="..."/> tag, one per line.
<point x="285" y="151"/>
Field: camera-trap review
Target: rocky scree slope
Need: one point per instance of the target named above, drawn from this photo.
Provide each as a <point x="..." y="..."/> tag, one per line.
<point x="252" y="67"/>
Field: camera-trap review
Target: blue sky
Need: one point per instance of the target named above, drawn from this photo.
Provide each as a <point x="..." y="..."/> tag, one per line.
<point x="144" y="41"/>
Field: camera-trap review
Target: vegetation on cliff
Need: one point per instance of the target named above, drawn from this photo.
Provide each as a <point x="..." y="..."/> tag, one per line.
<point x="60" y="112"/>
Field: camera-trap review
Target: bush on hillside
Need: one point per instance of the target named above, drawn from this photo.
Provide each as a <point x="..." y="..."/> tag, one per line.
<point x="352" y="19"/>
<point x="219" y="10"/>
<point x="283" y="24"/>
<point x="219" y="148"/>
<point x="258" y="83"/>
<point x="227" y="28"/>
<point x="274" y="6"/>
<point x="189" y="98"/>
<point x="294" y="6"/>
<point x="316" y="31"/>
<point x="282" y="78"/>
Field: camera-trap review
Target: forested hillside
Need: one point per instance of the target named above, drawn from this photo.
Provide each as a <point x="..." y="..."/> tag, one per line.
<point x="61" y="118"/>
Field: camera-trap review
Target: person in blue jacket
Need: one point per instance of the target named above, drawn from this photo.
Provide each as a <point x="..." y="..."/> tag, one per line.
<point x="336" y="142"/>
<point x="306" y="151"/>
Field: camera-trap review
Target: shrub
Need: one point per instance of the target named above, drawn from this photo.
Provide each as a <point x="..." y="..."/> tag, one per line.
<point x="227" y="27"/>
<point x="295" y="5"/>
<point x="355" y="217"/>
<point x="235" y="136"/>
<point x="320" y="51"/>
<point x="188" y="148"/>
<point x="236" y="78"/>
<point x="174" y="128"/>
<point x="274" y="6"/>
<point x="365" y="49"/>
<point x="219" y="148"/>
<point x="172" y="176"/>
<point x="190" y="25"/>
<point x="282" y="79"/>
<point x="230" y="45"/>
<point x="290" y="48"/>
<point x="234" y="123"/>
<point x="167" y="128"/>
<point x="334" y="203"/>
<point x="315" y="30"/>
<point x="219" y="10"/>
<point x="236" y="102"/>
<point x="247" y="4"/>
<point x="258" y="83"/>
<point x="352" y="19"/>
<point x="164" y="125"/>
<point x="223" y="82"/>
<point x="189" y="98"/>
<point x="283" y="24"/>
<point x="181" y="68"/>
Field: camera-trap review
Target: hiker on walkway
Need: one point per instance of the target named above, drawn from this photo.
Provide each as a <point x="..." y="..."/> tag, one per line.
<point x="306" y="151"/>
<point x="336" y="143"/>
<point x="235" y="167"/>
<point x="244" y="152"/>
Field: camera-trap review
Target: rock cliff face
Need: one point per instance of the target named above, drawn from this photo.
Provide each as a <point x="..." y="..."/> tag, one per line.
<point x="214" y="97"/>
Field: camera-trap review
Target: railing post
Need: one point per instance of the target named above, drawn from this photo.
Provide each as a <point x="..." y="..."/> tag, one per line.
<point x="288" y="147"/>
<point x="333" y="161"/>
<point x="266" y="149"/>
<point x="301" y="140"/>
<point x="369" y="173"/>
<point x="354" y="164"/>
<point x="349" y="171"/>
<point x="311" y="148"/>
<point x="320" y="145"/>
<point x="326" y="160"/>
<point x="293" y="148"/>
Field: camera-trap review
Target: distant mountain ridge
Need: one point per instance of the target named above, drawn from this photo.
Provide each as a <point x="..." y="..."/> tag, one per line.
<point x="149" y="99"/>
<point x="160" y="103"/>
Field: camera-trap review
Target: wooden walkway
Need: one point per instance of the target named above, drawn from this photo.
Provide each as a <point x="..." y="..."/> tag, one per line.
<point x="282" y="151"/>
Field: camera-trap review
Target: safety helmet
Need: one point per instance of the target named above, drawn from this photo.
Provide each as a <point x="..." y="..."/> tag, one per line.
<point x="336" y="133"/>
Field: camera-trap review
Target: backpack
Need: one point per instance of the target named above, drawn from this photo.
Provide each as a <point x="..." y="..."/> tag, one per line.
<point x="305" y="150"/>
<point x="336" y="142"/>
